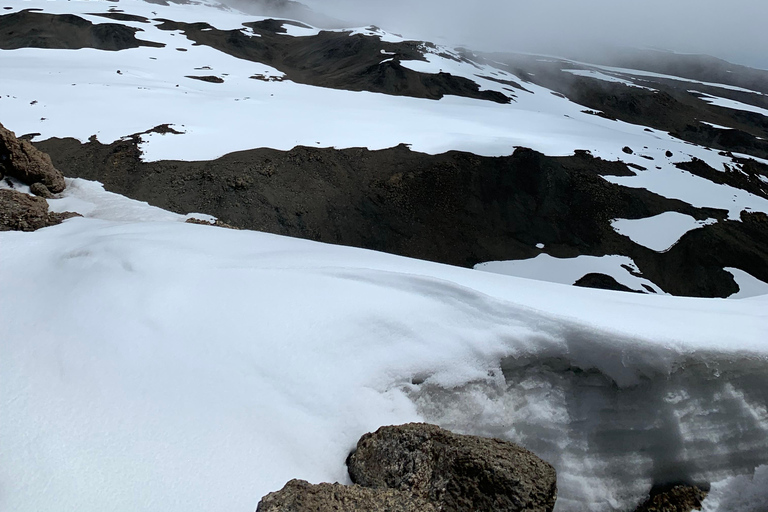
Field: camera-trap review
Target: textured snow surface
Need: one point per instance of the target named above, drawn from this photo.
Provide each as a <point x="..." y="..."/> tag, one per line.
<point x="660" y="232"/>
<point x="569" y="270"/>
<point x="167" y="366"/>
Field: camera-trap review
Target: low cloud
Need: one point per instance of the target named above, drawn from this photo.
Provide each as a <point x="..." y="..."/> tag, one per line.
<point x="732" y="30"/>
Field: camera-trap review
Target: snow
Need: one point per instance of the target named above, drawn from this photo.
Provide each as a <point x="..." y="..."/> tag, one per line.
<point x="569" y="270"/>
<point x="744" y="493"/>
<point x="749" y="286"/>
<point x="159" y="365"/>
<point x="660" y="232"/>
<point x="146" y="95"/>
<point x="718" y="126"/>
<point x="650" y="74"/>
<point x="591" y="73"/>
<point x="732" y="104"/>
<point x="694" y="190"/>
<point x="74" y="88"/>
<point x="149" y="364"/>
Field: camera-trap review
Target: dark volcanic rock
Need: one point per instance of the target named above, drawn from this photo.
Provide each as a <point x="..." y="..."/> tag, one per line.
<point x="301" y="496"/>
<point x="20" y="159"/>
<point x="32" y="29"/>
<point x="336" y="60"/>
<point x="22" y="212"/>
<point x="679" y="498"/>
<point x="454" y="208"/>
<point x="456" y="472"/>
<point x="603" y="282"/>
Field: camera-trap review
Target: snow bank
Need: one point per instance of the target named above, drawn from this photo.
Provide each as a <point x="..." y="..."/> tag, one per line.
<point x="168" y="366"/>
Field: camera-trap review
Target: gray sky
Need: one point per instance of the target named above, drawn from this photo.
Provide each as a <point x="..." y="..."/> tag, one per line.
<point x="736" y="30"/>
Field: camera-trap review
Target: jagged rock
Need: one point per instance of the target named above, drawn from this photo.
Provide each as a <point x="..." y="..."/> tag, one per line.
<point x="455" y="472"/>
<point x="217" y="223"/>
<point x="23" y="161"/>
<point x="301" y="496"/>
<point x="22" y="212"/>
<point x="680" y="498"/>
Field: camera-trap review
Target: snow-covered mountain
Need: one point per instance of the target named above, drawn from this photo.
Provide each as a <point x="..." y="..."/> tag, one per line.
<point x="151" y="364"/>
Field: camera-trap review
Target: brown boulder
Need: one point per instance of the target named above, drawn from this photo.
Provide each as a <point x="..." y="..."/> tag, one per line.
<point x="22" y="212"/>
<point x="20" y="159"/>
<point x="454" y="472"/>
<point x="680" y="498"/>
<point x="301" y="496"/>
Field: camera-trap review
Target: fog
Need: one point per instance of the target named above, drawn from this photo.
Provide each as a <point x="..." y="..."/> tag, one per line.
<point x="734" y="30"/>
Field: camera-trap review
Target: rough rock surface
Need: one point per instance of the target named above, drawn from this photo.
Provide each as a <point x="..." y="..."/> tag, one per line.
<point x="301" y="496"/>
<point x="455" y="472"/>
<point x="680" y="498"/>
<point x="22" y="212"/>
<point x="23" y="161"/>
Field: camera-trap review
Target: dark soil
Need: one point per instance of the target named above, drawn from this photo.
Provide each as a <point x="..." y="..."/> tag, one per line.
<point x="335" y="60"/>
<point x="454" y="208"/>
<point x="31" y="29"/>
<point x="669" y="107"/>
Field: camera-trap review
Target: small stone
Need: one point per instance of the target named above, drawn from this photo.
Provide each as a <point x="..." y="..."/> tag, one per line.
<point x="41" y="190"/>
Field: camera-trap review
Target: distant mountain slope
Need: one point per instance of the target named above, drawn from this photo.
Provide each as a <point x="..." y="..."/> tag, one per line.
<point x="612" y="147"/>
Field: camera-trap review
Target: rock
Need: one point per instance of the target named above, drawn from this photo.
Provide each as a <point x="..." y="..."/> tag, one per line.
<point x="22" y="212"/>
<point x="20" y="159"/>
<point x="217" y="223"/>
<point x="680" y="498"/>
<point x="455" y="472"/>
<point x="602" y="282"/>
<point x="40" y="190"/>
<point x="627" y="150"/>
<point x="301" y="496"/>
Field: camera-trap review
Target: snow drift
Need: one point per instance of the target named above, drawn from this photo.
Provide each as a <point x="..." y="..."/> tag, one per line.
<point x="168" y="366"/>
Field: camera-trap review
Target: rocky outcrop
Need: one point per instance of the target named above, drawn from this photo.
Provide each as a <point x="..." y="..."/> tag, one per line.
<point x="422" y="468"/>
<point x="679" y="498"/>
<point x="20" y="159"/>
<point x="301" y="496"/>
<point x="455" y="472"/>
<point x="22" y="212"/>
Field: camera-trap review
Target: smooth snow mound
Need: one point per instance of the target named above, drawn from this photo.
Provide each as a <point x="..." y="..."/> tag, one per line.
<point x="176" y="367"/>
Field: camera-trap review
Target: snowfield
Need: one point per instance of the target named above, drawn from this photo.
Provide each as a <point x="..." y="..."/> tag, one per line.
<point x="149" y="364"/>
<point x="86" y="92"/>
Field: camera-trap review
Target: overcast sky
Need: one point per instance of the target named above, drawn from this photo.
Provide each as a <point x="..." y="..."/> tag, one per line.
<point x="736" y="30"/>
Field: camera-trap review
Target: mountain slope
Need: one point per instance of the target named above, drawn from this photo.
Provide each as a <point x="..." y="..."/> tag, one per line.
<point x="152" y="364"/>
